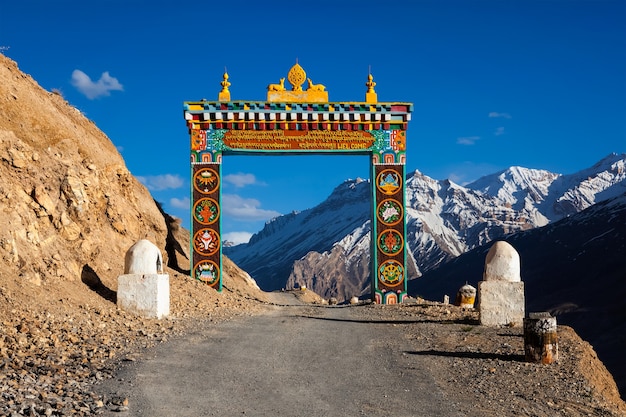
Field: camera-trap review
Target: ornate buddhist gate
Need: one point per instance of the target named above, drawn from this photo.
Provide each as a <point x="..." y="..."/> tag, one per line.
<point x="302" y="121"/>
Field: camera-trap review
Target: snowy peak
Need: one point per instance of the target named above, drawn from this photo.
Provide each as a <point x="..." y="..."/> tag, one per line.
<point x="575" y="192"/>
<point x="555" y="195"/>
<point x="327" y="247"/>
<point x="516" y="184"/>
<point x="613" y="162"/>
<point x="270" y="254"/>
<point x="345" y="195"/>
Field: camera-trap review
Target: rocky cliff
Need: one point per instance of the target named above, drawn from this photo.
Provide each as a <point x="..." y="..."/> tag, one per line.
<point x="68" y="202"/>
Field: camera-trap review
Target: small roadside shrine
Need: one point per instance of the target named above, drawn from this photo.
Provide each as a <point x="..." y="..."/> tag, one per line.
<point x="301" y="120"/>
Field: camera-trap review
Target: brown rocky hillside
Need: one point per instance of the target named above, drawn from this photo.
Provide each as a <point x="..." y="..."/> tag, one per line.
<point x="71" y="204"/>
<point x="70" y="209"/>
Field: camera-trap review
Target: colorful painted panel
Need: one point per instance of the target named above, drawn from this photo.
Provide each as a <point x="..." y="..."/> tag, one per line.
<point x="205" y="217"/>
<point x="386" y="146"/>
<point x="389" y="146"/>
<point x="298" y="140"/>
<point x="207" y="145"/>
<point x="389" y="266"/>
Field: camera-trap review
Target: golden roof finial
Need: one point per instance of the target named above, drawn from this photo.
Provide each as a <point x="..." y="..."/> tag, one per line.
<point x="224" y="95"/>
<point x="370" y="94"/>
<point x="315" y="93"/>
<point x="296" y="77"/>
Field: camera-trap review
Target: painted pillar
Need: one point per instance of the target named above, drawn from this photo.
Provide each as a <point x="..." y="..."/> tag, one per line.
<point x="206" y="174"/>
<point x="389" y="280"/>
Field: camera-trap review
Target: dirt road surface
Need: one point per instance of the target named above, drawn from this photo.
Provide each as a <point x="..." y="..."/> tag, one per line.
<point x="295" y="360"/>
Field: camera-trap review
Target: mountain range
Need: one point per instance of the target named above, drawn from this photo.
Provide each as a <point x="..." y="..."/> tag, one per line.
<point x="326" y="248"/>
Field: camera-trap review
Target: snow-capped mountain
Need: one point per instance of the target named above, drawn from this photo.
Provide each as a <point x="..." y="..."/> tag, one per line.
<point x="327" y="248"/>
<point x="269" y="255"/>
<point x="555" y="196"/>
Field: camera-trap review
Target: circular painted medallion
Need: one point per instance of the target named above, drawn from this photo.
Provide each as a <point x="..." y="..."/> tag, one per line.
<point x="390" y="242"/>
<point x="206" y="211"/>
<point x="388" y="182"/>
<point x="206" y="181"/>
<point x="391" y="273"/>
<point x="206" y="241"/>
<point x="389" y="212"/>
<point x="207" y="271"/>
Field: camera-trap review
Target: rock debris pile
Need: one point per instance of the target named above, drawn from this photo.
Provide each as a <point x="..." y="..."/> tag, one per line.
<point x="53" y="350"/>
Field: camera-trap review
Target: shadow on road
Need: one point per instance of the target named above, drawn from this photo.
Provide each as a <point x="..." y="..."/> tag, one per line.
<point x="365" y="321"/>
<point x="472" y="355"/>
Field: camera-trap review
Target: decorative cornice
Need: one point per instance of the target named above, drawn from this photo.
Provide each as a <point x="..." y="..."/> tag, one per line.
<point x="205" y="115"/>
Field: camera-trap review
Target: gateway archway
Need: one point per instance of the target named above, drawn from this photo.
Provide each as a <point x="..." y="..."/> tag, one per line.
<point x="302" y="121"/>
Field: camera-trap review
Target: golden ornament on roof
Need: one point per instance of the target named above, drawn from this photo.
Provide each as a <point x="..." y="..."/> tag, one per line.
<point x="296" y="77"/>
<point x="370" y="84"/>
<point x="370" y="94"/>
<point x="224" y="95"/>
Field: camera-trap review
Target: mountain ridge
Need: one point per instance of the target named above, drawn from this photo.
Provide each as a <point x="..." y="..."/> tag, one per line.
<point x="444" y="220"/>
<point x="308" y="230"/>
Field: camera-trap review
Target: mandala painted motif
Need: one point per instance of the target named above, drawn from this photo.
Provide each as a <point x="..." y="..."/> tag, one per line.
<point x="207" y="271"/>
<point x="391" y="273"/>
<point x="390" y="242"/>
<point x="206" y="211"/>
<point x="206" y="181"/>
<point x="388" y="182"/>
<point x="206" y="241"/>
<point x="389" y="212"/>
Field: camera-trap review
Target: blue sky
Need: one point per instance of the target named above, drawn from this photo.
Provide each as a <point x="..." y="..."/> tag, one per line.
<point x="539" y="84"/>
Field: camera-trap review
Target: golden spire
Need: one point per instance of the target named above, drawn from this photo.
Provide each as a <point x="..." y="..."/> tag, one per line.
<point x="370" y="94"/>
<point x="224" y="95"/>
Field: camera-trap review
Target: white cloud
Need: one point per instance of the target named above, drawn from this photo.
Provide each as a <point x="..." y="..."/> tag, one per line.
<point x="245" y="208"/>
<point x="499" y="131"/>
<point x="467" y="140"/>
<point x="467" y="172"/>
<point x="180" y="203"/>
<point x="496" y="114"/>
<point x="456" y="178"/>
<point x="91" y="89"/>
<point x="161" y="182"/>
<point x="237" y="237"/>
<point x="240" y="179"/>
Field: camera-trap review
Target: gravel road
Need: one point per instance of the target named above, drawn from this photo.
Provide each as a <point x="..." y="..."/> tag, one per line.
<point x="292" y="361"/>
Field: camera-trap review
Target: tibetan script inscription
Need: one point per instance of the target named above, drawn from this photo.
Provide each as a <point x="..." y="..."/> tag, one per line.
<point x="298" y="140"/>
